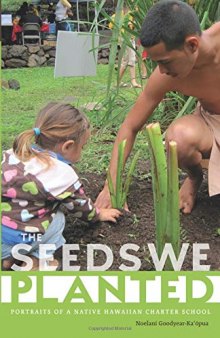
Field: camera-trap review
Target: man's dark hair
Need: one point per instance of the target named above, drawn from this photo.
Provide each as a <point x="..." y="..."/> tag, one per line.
<point x="169" y="22"/>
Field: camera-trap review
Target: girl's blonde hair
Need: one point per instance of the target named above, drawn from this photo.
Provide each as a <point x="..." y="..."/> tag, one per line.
<point x="56" y="123"/>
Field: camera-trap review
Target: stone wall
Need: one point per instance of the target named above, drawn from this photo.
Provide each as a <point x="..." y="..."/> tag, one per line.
<point x="17" y="56"/>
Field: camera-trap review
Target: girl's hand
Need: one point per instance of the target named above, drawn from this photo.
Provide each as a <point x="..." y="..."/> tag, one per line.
<point x="109" y="215"/>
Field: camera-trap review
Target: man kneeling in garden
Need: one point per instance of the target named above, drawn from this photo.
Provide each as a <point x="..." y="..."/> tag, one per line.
<point x="188" y="62"/>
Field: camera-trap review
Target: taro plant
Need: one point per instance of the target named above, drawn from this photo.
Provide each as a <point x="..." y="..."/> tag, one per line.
<point x="165" y="191"/>
<point x="119" y="193"/>
<point x="210" y="7"/>
<point x="120" y="30"/>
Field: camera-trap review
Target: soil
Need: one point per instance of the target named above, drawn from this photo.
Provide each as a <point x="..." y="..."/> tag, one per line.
<point x="137" y="227"/>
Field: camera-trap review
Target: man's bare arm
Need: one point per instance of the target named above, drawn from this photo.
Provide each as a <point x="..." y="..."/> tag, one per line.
<point x="148" y="100"/>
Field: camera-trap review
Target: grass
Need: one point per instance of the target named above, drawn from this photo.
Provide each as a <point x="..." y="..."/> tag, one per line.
<point x="38" y="87"/>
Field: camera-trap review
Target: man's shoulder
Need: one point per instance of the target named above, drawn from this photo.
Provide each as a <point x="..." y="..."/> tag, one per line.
<point x="214" y="29"/>
<point x="212" y="34"/>
<point x="216" y="25"/>
<point x="163" y="81"/>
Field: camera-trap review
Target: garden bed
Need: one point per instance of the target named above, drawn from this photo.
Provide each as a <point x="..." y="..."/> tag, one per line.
<point x="201" y="226"/>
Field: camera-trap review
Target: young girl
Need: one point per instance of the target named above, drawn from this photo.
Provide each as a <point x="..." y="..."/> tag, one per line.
<point x="37" y="178"/>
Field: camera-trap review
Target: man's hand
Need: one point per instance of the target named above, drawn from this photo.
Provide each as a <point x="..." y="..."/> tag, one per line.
<point x="103" y="200"/>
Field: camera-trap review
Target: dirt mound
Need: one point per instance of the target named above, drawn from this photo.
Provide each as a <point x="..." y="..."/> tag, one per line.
<point x="137" y="227"/>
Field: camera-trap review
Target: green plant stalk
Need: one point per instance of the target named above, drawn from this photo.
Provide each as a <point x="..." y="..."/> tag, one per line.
<point x="204" y="19"/>
<point x="119" y="176"/>
<point x="159" y="181"/>
<point x="173" y="215"/>
<point x="187" y="107"/>
<point x="129" y="177"/>
<point x="114" y="43"/>
<point x="111" y="190"/>
<point x="119" y="194"/>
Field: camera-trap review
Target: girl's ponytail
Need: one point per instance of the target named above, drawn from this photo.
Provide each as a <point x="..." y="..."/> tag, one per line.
<point x="24" y="150"/>
<point x="22" y="145"/>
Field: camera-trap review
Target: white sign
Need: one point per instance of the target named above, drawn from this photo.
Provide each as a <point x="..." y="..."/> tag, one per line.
<point x="6" y="20"/>
<point x="76" y="54"/>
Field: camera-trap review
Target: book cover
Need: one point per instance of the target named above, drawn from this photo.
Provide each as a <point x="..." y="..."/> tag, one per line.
<point x="112" y="283"/>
